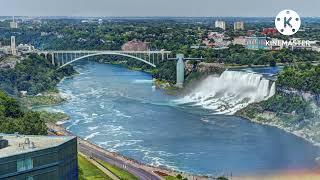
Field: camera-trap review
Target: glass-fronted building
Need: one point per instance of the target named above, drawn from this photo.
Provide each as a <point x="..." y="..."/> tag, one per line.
<point x="256" y="43"/>
<point x="38" y="157"/>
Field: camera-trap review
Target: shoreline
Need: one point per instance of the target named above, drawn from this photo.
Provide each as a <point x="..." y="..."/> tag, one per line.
<point x="285" y="129"/>
<point x="60" y="130"/>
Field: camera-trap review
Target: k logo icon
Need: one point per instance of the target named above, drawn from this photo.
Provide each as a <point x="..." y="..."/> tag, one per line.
<point x="288" y="22"/>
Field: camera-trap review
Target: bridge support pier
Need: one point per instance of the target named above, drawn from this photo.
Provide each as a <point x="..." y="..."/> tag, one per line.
<point x="62" y="59"/>
<point x="52" y="59"/>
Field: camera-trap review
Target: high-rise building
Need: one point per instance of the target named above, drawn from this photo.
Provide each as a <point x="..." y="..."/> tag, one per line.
<point x="13" y="46"/>
<point x="239" y="25"/>
<point x="38" y="157"/>
<point x="13" y="24"/>
<point x="220" y="24"/>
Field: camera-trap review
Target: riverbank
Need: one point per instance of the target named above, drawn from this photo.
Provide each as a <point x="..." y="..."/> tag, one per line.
<point x="309" y="131"/>
<point x="44" y="99"/>
<point x="156" y="171"/>
<point x="273" y="121"/>
<point x="41" y="99"/>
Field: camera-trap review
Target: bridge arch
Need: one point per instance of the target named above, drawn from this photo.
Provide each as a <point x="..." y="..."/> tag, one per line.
<point x="108" y="53"/>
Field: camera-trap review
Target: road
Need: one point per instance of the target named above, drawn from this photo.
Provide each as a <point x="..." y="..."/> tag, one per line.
<point x="94" y="153"/>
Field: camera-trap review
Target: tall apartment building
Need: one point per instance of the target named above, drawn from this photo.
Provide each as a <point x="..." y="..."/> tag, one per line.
<point x="238" y="25"/>
<point x="38" y="157"/>
<point x="220" y="24"/>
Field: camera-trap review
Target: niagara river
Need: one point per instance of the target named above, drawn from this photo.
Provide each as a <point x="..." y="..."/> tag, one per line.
<point x="120" y="110"/>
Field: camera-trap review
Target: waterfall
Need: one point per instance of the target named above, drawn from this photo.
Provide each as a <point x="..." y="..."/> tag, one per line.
<point x="230" y="92"/>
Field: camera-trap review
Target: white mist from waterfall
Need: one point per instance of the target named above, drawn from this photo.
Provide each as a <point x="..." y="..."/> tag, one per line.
<point x="230" y="92"/>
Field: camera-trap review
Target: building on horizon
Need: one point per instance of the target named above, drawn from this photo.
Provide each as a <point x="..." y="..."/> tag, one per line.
<point x="216" y="39"/>
<point x="241" y="40"/>
<point x="239" y="25"/>
<point x="269" y="31"/>
<point x="220" y="24"/>
<point x="135" y="45"/>
<point x="256" y="43"/>
<point x="24" y="48"/>
<point x="13" y="24"/>
<point x="38" y="157"/>
<point x="251" y="32"/>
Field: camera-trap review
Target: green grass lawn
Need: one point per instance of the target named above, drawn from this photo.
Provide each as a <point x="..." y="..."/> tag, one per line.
<point x="122" y="174"/>
<point x="170" y="178"/>
<point x="178" y="177"/>
<point x="88" y="171"/>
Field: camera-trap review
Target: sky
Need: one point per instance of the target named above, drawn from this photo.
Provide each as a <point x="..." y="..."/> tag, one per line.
<point x="198" y="8"/>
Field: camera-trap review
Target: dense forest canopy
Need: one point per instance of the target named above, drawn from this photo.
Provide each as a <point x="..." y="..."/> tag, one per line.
<point x="34" y="75"/>
<point x="303" y="77"/>
<point x="14" y="120"/>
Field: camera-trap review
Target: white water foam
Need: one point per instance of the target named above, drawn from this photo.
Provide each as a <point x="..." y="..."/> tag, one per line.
<point x="120" y="114"/>
<point x="92" y="128"/>
<point x="92" y="135"/>
<point x="230" y="92"/>
<point x="142" y="81"/>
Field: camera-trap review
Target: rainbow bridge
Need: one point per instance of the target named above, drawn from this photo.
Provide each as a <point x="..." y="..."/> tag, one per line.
<point x="64" y="58"/>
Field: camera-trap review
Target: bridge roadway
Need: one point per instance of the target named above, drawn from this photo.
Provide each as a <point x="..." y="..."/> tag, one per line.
<point x="100" y="51"/>
<point x="65" y="57"/>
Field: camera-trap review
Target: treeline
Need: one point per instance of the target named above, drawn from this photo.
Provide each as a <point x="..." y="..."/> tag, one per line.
<point x="239" y="55"/>
<point x="160" y="34"/>
<point x="34" y="75"/>
<point x="14" y="120"/>
<point x="165" y="70"/>
<point x="288" y="104"/>
<point x="303" y="77"/>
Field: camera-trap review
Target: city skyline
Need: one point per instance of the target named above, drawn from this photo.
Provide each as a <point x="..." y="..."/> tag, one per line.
<point x="164" y="8"/>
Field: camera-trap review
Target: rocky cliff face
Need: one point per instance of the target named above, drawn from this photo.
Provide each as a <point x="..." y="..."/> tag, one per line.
<point x="307" y="96"/>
